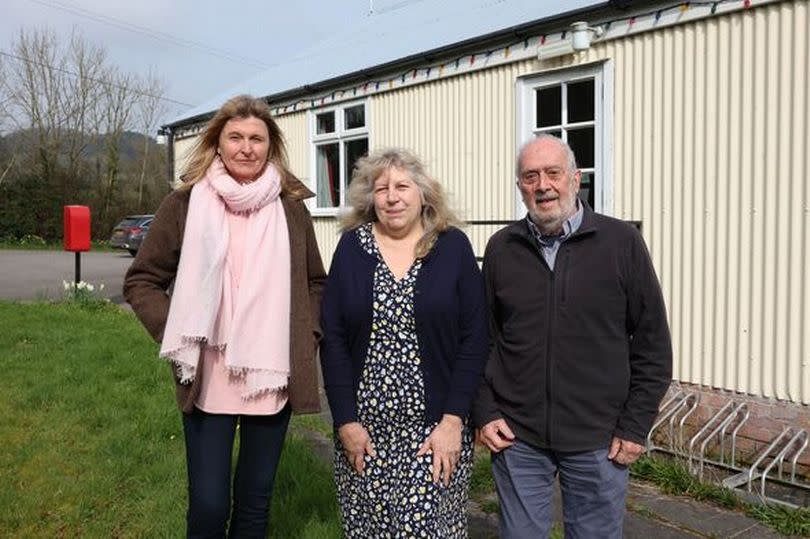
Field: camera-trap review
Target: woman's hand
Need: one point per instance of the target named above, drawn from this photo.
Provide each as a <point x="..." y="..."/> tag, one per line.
<point x="445" y="445"/>
<point x="356" y="444"/>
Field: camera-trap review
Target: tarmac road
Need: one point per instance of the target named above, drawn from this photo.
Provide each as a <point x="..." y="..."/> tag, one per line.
<point x="38" y="275"/>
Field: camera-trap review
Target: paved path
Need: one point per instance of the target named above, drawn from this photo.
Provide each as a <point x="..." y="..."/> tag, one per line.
<point x="33" y="275"/>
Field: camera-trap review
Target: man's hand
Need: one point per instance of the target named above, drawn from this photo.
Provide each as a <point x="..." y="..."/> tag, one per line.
<point x="624" y="452"/>
<point x="497" y="435"/>
<point x="356" y="444"/>
<point x="444" y="443"/>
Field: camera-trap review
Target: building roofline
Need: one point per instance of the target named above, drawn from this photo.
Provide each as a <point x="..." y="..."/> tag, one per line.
<point x="523" y="30"/>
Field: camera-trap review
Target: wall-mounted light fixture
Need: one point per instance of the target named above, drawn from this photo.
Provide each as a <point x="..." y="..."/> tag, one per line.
<point x="581" y="36"/>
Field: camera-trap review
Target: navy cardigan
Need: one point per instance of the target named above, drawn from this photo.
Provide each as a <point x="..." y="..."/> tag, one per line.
<point x="451" y="325"/>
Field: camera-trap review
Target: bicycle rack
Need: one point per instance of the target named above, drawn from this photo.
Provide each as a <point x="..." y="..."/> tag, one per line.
<point x="723" y="428"/>
<point x="789" y="443"/>
<point x="777" y="463"/>
<point x="682" y="405"/>
<point x="721" y="421"/>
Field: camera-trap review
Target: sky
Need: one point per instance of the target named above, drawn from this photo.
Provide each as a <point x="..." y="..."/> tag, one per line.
<point x="200" y="48"/>
<point x="203" y="49"/>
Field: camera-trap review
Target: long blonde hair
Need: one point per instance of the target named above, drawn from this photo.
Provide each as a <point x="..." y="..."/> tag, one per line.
<point x="205" y="149"/>
<point x="436" y="214"/>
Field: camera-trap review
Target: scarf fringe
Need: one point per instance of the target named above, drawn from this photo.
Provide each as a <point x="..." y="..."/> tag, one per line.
<point x="186" y="372"/>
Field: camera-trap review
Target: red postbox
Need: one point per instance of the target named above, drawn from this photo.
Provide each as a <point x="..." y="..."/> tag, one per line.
<point x="77" y="228"/>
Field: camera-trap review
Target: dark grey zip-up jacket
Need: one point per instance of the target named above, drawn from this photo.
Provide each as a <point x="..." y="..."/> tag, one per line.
<point x="579" y="354"/>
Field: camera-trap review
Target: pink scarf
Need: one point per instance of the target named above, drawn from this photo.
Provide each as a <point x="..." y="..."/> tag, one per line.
<point x="254" y="336"/>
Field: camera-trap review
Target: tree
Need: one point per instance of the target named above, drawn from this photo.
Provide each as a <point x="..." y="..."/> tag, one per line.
<point x="66" y="111"/>
<point x="115" y="113"/>
<point x="149" y="108"/>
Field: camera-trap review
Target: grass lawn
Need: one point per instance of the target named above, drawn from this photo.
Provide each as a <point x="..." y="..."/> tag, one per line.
<point x="92" y="442"/>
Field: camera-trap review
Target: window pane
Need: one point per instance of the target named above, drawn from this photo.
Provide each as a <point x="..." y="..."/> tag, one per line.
<point x="549" y="106"/>
<point x="325" y="122"/>
<point x="355" y="117"/>
<point x="554" y="133"/>
<point x="353" y="150"/>
<point x="587" y="188"/>
<point x="581" y="141"/>
<point x="580" y="101"/>
<point x="327" y="175"/>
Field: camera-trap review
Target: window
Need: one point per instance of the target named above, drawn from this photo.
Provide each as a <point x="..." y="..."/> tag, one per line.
<point x="573" y="105"/>
<point x="339" y="139"/>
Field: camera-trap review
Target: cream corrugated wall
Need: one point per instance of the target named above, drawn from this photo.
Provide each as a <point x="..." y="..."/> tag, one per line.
<point x="711" y="154"/>
<point x="296" y="133"/>
<point x="464" y="129"/>
<point x="711" y="142"/>
<point x="182" y="149"/>
<point x="711" y="150"/>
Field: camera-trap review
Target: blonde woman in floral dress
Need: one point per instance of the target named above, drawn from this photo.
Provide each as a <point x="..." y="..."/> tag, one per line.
<point x="404" y="347"/>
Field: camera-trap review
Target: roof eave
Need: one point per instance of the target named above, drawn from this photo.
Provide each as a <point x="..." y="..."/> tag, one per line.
<point x="519" y="31"/>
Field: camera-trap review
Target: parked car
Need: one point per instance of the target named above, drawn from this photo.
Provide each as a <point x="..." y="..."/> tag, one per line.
<point x="129" y="233"/>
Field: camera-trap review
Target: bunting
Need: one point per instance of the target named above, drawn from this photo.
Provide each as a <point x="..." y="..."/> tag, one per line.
<point x="483" y="57"/>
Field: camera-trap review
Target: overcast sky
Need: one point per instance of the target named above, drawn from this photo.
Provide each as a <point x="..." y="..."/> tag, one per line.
<point x="199" y="47"/>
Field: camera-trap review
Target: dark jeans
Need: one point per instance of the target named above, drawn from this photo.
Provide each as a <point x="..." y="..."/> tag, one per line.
<point x="209" y="444"/>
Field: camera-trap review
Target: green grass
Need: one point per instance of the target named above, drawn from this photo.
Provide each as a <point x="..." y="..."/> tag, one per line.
<point x="481" y="482"/>
<point x="304" y="498"/>
<point x="673" y="478"/>
<point x="782" y="519"/>
<point x="315" y="424"/>
<point x="92" y="442"/>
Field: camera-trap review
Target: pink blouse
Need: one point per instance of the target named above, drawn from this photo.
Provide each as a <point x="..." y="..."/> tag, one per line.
<point x="221" y="391"/>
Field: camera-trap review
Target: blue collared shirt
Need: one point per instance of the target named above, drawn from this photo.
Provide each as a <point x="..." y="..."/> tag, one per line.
<point x="549" y="245"/>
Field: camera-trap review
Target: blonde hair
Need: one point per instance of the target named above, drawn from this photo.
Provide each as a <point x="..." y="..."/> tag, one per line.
<point x="436" y="215"/>
<point x="205" y="149"/>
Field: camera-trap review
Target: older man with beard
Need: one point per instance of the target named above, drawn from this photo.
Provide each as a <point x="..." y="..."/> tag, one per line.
<point x="580" y="354"/>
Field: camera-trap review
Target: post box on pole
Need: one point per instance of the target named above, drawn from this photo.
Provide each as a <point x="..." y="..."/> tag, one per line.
<point x="77" y="233"/>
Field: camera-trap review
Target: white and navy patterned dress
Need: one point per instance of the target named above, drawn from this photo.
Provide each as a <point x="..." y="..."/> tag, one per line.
<point x="396" y="497"/>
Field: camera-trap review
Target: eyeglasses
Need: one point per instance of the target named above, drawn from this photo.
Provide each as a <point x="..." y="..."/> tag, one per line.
<point x="531" y="177"/>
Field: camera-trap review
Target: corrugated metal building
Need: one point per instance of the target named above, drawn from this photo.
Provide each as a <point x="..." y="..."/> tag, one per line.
<point x="691" y="119"/>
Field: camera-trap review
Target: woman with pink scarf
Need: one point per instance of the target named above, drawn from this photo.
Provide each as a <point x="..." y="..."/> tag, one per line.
<point x="235" y="243"/>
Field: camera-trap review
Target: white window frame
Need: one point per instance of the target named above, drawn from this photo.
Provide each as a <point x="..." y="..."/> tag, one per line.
<point x="339" y="136"/>
<point x="602" y="73"/>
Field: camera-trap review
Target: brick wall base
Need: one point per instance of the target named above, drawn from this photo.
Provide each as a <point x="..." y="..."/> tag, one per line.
<point x="768" y="418"/>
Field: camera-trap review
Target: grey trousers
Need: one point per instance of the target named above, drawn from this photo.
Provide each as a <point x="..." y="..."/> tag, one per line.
<point x="593" y="492"/>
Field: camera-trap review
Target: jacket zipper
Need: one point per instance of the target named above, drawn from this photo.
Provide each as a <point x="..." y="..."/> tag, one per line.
<point x="563" y="259"/>
<point x="550" y="312"/>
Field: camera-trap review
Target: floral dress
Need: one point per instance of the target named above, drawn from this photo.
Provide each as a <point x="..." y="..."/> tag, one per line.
<point x="396" y="497"/>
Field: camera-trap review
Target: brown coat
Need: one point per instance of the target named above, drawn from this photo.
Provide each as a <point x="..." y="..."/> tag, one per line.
<point x="154" y="269"/>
